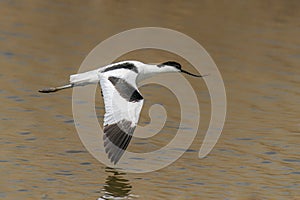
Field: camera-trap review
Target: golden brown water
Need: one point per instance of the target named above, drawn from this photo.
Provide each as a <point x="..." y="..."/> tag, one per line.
<point x="256" y="46"/>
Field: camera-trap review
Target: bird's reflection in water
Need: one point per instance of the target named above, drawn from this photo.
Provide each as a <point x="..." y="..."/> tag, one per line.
<point x="116" y="186"/>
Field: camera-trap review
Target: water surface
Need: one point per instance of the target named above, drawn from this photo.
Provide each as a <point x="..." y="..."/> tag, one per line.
<point x="256" y="46"/>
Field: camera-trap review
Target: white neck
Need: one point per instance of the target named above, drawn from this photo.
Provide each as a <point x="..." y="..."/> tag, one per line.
<point x="149" y="70"/>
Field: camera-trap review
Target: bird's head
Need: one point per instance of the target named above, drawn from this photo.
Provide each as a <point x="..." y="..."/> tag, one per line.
<point x="172" y="66"/>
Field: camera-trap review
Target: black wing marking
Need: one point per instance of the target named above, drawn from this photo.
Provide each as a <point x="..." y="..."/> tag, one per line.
<point x="128" y="66"/>
<point x="116" y="139"/>
<point x="126" y="90"/>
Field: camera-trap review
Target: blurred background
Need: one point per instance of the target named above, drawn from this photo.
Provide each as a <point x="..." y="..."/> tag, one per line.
<point x="256" y="46"/>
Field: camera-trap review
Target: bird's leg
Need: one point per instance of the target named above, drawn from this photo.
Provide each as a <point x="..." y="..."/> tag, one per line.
<point x="55" y="89"/>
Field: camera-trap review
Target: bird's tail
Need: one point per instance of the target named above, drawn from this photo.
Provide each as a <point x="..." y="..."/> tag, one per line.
<point x="85" y="78"/>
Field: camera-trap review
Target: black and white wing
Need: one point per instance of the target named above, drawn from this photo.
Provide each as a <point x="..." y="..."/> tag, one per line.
<point x="123" y="104"/>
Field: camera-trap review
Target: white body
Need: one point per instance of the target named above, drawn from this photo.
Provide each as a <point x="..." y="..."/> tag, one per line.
<point x="144" y="71"/>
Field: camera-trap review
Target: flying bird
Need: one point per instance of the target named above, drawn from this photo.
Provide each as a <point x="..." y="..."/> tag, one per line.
<point x="122" y="99"/>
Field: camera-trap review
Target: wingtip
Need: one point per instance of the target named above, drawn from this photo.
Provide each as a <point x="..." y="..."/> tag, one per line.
<point x="116" y="139"/>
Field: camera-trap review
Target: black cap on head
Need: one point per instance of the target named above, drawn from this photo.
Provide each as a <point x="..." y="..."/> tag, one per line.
<point x="178" y="66"/>
<point x="171" y="63"/>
